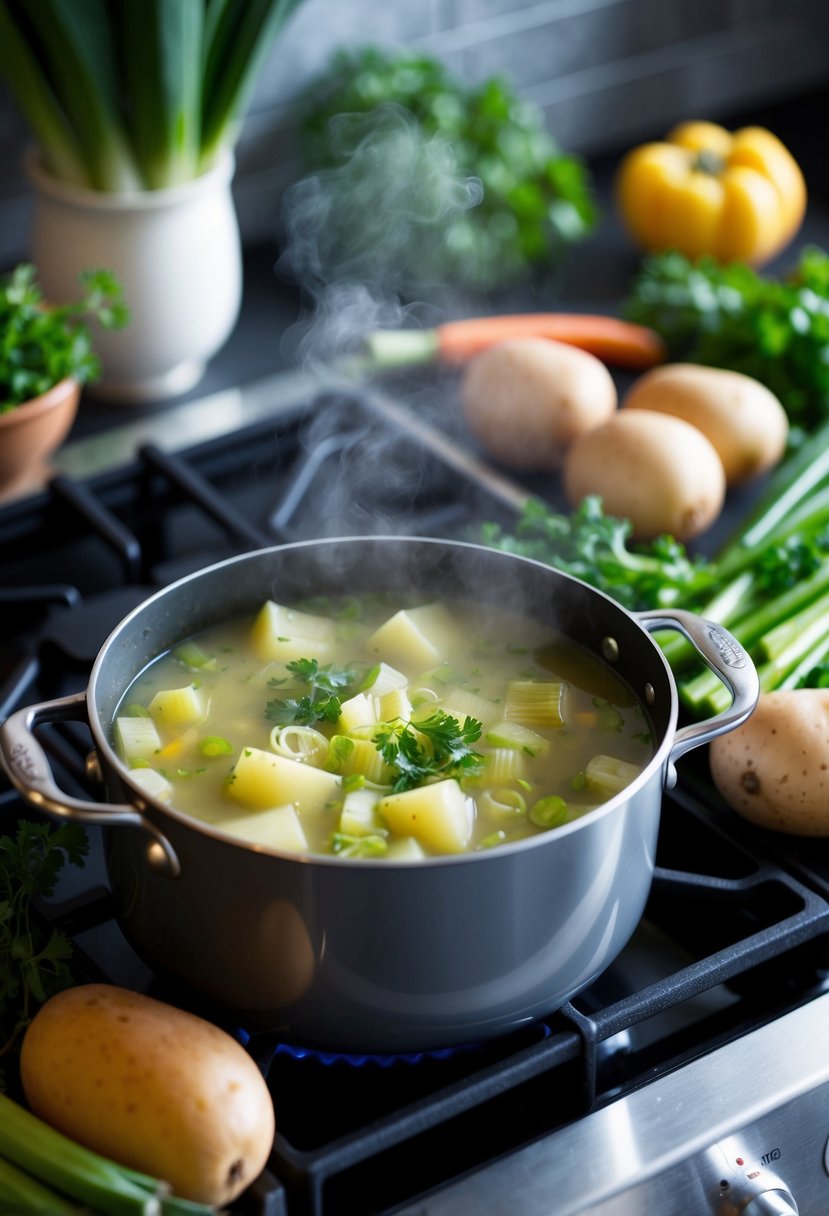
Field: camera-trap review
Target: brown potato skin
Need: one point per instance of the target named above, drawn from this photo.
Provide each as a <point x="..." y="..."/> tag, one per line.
<point x="774" y="769"/>
<point x="527" y="399"/>
<point x="659" y="472"/>
<point x="742" y="418"/>
<point x="151" y="1087"/>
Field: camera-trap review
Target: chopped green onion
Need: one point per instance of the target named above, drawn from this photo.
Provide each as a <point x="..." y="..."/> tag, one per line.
<point x="22" y="1195"/>
<point x="549" y="812"/>
<point x="48" y="1155"/>
<point x="215" y="745"/>
<point x="192" y="655"/>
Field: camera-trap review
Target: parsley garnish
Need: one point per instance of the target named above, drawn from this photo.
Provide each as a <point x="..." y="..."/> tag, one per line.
<point x="34" y="959"/>
<point x="326" y="688"/>
<point x="436" y="748"/>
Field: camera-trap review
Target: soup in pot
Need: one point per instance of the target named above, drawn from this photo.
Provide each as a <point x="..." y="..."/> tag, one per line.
<point x="399" y="733"/>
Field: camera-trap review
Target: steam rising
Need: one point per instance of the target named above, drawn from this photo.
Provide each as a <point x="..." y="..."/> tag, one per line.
<point x="390" y="170"/>
<point x="356" y="276"/>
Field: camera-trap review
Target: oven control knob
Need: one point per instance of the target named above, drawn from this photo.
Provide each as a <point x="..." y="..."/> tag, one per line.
<point x="771" y="1203"/>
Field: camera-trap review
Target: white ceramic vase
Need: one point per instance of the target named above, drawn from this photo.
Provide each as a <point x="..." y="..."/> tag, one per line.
<point x="177" y="254"/>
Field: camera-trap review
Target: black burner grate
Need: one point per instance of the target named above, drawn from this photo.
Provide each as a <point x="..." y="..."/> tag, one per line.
<point x="734" y="932"/>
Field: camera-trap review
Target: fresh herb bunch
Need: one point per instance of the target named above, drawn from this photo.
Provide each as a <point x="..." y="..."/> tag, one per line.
<point x="41" y="344"/>
<point x="768" y="583"/>
<point x="773" y="329"/>
<point x="398" y="134"/>
<point x="597" y="548"/>
<point x="437" y="747"/>
<point x="34" y="958"/>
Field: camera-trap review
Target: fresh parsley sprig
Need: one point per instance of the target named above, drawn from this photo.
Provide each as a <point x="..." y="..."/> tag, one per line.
<point x="775" y="329"/>
<point x="327" y="687"/>
<point x="34" y="958"/>
<point x="598" y="549"/>
<point x="41" y="345"/>
<point x="435" y="748"/>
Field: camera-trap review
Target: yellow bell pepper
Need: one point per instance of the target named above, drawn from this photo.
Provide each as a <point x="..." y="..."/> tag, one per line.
<point x="739" y="196"/>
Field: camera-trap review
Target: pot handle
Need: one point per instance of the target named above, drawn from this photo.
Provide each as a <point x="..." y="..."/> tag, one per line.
<point x="28" y="767"/>
<point x="720" y="651"/>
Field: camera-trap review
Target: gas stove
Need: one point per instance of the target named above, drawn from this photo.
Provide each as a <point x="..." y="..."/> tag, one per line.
<point x="692" y="1076"/>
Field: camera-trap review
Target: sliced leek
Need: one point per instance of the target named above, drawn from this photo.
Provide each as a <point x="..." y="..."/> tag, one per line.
<point x="139" y="94"/>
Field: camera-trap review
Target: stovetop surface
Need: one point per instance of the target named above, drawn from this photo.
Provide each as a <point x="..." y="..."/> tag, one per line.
<point x="735" y="936"/>
<point x="735" y="930"/>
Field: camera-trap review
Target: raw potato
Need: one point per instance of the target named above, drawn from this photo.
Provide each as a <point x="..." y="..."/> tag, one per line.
<point x="774" y="769"/>
<point x="657" y="471"/>
<point x="743" y="419"/>
<point x="151" y="1087"/>
<point x="527" y="399"/>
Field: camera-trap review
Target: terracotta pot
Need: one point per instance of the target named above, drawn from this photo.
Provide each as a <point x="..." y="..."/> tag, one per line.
<point x="32" y="431"/>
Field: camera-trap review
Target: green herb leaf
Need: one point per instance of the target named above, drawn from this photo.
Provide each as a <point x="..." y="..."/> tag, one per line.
<point x="773" y="329"/>
<point x="328" y="685"/>
<point x="437" y="748"/>
<point x="41" y="345"/>
<point x="597" y="548"/>
<point x="474" y="188"/>
<point x="33" y="958"/>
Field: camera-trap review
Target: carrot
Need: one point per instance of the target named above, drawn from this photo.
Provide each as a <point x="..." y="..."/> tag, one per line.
<point x="614" y="341"/>
<point x="620" y="343"/>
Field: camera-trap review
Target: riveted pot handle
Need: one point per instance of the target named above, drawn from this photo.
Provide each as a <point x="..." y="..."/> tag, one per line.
<point x="720" y="651"/>
<point x="28" y="767"/>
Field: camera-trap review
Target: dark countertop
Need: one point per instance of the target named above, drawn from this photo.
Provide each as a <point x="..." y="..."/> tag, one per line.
<point x="261" y="353"/>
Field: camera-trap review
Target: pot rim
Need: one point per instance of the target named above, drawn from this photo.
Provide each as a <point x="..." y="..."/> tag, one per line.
<point x="164" y="810"/>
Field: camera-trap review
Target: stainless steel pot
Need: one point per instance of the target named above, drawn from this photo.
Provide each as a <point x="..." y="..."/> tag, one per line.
<point x="360" y="955"/>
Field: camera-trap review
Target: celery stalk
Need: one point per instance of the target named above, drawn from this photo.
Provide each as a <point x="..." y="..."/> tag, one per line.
<point x="22" y="1195"/>
<point x="57" y="1161"/>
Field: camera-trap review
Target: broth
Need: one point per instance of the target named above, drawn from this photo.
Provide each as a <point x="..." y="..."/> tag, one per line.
<point x="367" y="730"/>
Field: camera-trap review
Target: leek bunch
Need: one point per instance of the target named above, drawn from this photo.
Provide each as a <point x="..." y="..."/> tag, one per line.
<point x="134" y="94"/>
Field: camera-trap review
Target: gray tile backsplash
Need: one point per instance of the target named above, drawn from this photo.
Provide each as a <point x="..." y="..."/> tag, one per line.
<point x="605" y="72"/>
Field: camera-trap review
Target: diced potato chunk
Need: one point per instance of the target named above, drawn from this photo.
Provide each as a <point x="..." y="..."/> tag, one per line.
<point x="263" y="779"/>
<point x="287" y="634"/>
<point x="278" y="828"/>
<point x="405" y="849"/>
<point x="438" y="816"/>
<point x="387" y="679"/>
<point x="152" y="783"/>
<point x="174" y="709"/>
<point x="415" y="637"/>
